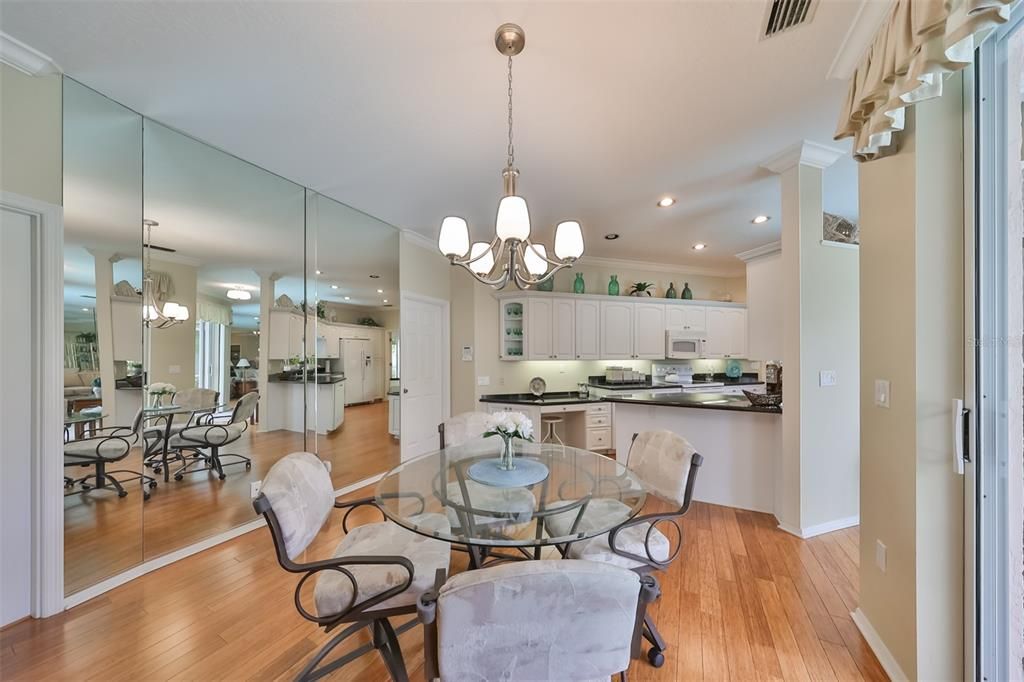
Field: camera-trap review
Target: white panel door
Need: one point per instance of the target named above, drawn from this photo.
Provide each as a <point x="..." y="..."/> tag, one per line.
<point x="539" y="334"/>
<point x="588" y="330"/>
<point x="649" y="331"/>
<point x="616" y="330"/>
<point x="424" y="370"/>
<point x="563" y="329"/>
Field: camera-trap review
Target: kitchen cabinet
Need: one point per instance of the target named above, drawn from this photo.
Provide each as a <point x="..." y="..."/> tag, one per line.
<point x="588" y="330"/>
<point x="764" y="306"/>
<point x="285" y="336"/>
<point x="691" y="318"/>
<point x="616" y="330"/>
<point x="550" y="329"/>
<point x="511" y="328"/>
<point x="726" y="333"/>
<point x="649" y="331"/>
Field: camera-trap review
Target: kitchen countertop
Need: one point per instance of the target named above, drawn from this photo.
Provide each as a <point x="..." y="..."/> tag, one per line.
<point x="320" y="379"/>
<point x="706" y="401"/>
<point x="554" y="398"/>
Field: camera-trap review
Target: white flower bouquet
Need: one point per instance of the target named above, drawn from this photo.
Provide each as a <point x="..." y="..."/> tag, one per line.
<point x="510" y="425"/>
<point x="162" y="388"/>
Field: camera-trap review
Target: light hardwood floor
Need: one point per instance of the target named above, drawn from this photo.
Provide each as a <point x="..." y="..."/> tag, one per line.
<point x="105" y="535"/>
<point x="745" y="601"/>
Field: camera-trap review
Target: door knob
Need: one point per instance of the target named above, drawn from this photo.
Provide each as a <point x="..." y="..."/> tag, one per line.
<point x="405" y="390"/>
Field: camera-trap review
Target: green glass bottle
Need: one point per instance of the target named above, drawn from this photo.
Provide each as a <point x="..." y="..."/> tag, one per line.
<point x="613" y="286"/>
<point x="686" y="291"/>
<point x="547" y="285"/>
<point x="671" y="293"/>
<point x="577" y="286"/>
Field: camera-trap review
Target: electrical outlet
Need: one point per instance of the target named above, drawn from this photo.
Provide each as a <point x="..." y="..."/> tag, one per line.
<point x="882" y="393"/>
<point x="254" y="489"/>
<point x="483" y="381"/>
<point x="327" y="465"/>
<point x="880" y="558"/>
<point x="827" y="377"/>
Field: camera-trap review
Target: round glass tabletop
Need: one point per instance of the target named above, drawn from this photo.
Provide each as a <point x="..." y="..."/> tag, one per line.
<point x="443" y="495"/>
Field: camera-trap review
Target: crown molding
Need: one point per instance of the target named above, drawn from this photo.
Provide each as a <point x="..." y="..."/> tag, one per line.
<point x="726" y="271"/>
<point x="419" y="239"/>
<point x="766" y="250"/>
<point x="859" y="38"/>
<point x="28" y="60"/>
<point x="805" y="153"/>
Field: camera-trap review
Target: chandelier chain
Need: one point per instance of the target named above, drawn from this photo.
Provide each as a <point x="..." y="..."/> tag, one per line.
<point x="511" y="147"/>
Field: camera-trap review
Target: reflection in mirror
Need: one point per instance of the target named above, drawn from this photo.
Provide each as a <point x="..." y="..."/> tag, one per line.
<point x="354" y="282"/>
<point x="226" y="240"/>
<point x="103" y="486"/>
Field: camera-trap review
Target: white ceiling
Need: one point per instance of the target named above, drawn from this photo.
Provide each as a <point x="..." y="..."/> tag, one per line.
<point x="398" y="108"/>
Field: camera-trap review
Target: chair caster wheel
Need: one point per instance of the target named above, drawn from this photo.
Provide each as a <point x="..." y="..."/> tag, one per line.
<point x="222" y="476"/>
<point x="151" y="484"/>
<point x="656" y="658"/>
<point x="86" y="487"/>
<point x="157" y="470"/>
<point x="145" y="496"/>
<point x="248" y="466"/>
<point x="177" y="477"/>
<point x="123" y="493"/>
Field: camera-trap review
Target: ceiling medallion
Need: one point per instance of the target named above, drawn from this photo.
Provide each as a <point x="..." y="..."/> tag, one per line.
<point x="519" y="259"/>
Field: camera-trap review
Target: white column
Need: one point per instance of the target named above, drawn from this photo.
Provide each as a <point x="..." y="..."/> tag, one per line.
<point x="103" y="262"/>
<point x="267" y="296"/>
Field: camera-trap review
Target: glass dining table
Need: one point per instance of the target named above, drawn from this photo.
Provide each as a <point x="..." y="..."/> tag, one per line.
<point x="485" y="513"/>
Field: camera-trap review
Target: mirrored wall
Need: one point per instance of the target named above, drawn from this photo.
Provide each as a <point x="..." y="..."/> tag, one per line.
<point x="217" y="318"/>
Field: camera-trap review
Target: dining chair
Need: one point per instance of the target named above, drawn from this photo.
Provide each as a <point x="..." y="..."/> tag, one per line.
<point x="200" y="400"/>
<point x="377" y="571"/>
<point x="213" y="436"/>
<point x="469" y="504"/>
<point x="103" y="447"/>
<point x="667" y="465"/>
<point x="535" y="620"/>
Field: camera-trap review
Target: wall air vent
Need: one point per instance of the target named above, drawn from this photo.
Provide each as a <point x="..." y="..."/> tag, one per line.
<point x="782" y="15"/>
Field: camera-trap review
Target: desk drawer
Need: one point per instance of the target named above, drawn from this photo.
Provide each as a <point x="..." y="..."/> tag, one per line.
<point x="600" y="408"/>
<point x="599" y="439"/>
<point x="598" y="420"/>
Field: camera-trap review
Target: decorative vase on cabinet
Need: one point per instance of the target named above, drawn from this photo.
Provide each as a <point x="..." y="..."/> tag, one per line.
<point x="547" y="285"/>
<point x="671" y="293"/>
<point x="577" y="286"/>
<point x="613" y="286"/>
<point x="687" y="294"/>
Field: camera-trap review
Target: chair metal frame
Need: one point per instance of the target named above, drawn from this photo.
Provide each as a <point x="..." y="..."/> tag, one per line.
<point x="426" y="611"/>
<point x="129" y="436"/>
<point x="658" y="646"/>
<point x="384" y="635"/>
<point x="214" y="460"/>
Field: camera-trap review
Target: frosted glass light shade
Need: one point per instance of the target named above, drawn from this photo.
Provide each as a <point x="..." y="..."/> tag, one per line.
<point x="481" y="258"/>
<point x="533" y="257"/>
<point x="182" y="313"/>
<point x="453" y="239"/>
<point x="513" y="221"/>
<point x="171" y="310"/>
<point x="568" y="240"/>
<point x="150" y="313"/>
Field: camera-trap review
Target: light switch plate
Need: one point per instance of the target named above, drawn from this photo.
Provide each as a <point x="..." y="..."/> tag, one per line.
<point x="827" y="377"/>
<point x="882" y="392"/>
<point x="467" y="353"/>
<point x="880" y="555"/>
<point x="254" y="488"/>
<point x="483" y="381"/>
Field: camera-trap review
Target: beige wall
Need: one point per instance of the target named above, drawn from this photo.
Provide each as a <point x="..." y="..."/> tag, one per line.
<point x="30" y="135"/>
<point x="911" y="220"/>
<point x="172" y="355"/>
<point x="423" y="271"/>
<point x="248" y="344"/>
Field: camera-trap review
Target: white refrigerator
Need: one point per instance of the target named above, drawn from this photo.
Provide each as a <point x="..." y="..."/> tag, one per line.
<point x="362" y="370"/>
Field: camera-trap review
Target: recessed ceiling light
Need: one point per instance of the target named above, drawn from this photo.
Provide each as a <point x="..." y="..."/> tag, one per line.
<point x="348" y="298"/>
<point x="374" y="276"/>
<point x="760" y="219"/>
<point x="255" y="317"/>
<point x="380" y="291"/>
<point x="85" y="310"/>
<point x="334" y="286"/>
<point x="385" y="300"/>
<point x="665" y="202"/>
<point x="611" y="236"/>
<point x="318" y="272"/>
<point x="239" y="295"/>
<point x="699" y="246"/>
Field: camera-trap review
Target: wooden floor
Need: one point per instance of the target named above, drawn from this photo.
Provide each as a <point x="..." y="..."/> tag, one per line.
<point x="745" y="601"/>
<point x="105" y="535"/>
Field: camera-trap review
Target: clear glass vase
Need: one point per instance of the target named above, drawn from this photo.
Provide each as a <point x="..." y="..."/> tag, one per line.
<point x="507" y="462"/>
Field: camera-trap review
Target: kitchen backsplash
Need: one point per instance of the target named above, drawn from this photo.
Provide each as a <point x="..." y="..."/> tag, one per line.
<point x="659" y="368"/>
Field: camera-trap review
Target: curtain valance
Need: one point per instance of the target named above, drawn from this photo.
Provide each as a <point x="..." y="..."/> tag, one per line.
<point x="212" y="311"/>
<point x="921" y="43"/>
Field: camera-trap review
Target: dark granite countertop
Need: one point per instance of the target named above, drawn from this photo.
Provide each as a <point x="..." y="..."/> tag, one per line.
<point x="749" y="378"/>
<point x="556" y="398"/>
<point x="706" y="401"/>
<point x="320" y="379"/>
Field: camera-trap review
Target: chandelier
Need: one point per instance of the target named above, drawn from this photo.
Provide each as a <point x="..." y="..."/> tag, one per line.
<point x="521" y="261"/>
<point x="153" y="313"/>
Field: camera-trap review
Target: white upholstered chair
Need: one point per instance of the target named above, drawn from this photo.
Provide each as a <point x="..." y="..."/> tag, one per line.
<point x="534" y="620"/>
<point x="667" y="464"/>
<point x="206" y="438"/>
<point x="378" y="570"/>
<point x="104" y="447"/>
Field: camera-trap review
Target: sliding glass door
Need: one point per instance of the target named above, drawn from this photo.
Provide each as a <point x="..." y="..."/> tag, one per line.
<point x="996" y="615"/>
<point x="211" y="352"/>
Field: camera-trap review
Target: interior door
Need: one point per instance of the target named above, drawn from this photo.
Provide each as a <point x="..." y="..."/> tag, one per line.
<point x="424" y="373"/>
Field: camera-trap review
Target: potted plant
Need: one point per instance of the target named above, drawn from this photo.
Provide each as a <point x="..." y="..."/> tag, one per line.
<point x="642" y="289"/>
<point x="96" y="389"/>
<point x="509" y="425"/>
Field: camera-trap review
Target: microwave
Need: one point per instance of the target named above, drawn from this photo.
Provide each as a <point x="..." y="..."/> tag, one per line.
<point x="683" y="345"/>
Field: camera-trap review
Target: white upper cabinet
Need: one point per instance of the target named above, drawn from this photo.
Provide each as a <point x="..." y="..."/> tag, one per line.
<point x="538" y="328"/>
<point x="691" y="318"/>
<point x="617" y="330"/>
<point x="764" y="307"/>
<point x="649" y="331"/>
<point x="563" y="328"/>
<point x="588" y="330"/>
<point x="726" y="332"/>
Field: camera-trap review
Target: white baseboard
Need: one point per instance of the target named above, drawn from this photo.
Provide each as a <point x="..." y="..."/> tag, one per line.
<point x="882" y="653"/>
<point x="821" y="528"/>
<point x="149" y="566"/>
